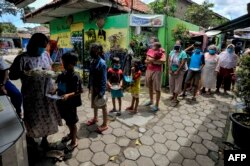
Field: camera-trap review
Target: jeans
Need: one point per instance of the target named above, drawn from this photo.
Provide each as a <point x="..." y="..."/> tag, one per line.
<point x="15" y="96"/>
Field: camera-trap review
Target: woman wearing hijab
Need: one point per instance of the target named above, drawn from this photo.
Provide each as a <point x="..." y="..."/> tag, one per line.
<point x="177" y="69"/>
<point x="226" y="67"/>
<point x="41" y="117"/>
<point x="209" y="73"/>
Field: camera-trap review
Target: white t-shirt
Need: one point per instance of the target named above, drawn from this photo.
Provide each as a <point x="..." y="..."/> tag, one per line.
<point x="3" y="64"/>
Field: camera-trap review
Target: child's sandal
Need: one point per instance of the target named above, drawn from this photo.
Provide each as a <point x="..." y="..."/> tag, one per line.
<point x="101" y="129"/>
<point x="91" y="122"/>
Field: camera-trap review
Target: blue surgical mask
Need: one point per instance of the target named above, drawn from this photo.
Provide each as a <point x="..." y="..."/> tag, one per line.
<point x="197" y="50"/>
<point x="116" y="67"/>
<point x="230" y="50"/>
<point x="41" y="50"/>
<point x="211" y="52"/>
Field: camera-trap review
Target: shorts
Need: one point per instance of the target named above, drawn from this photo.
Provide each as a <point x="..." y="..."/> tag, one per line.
<point x="194" y="76"/>
<point x="68" y="113"/>
<point x="116" y="93"/>
<point x="135" y="95"/>
<point x="153" y="80"/>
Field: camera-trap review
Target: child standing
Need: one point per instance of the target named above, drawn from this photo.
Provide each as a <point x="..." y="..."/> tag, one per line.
<point x="115" y="79"/>
<point x="97" y="84"/>
<point x="70" y="88"/>
<point x="135" y="87"/>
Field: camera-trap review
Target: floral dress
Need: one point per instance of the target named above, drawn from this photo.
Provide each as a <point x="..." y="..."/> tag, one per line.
<point x="41" y="116"/>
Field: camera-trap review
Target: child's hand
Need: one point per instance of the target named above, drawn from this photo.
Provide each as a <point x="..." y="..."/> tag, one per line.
<point x="66" y="97"/>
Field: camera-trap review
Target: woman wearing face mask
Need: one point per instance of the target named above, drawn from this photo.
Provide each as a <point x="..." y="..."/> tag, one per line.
<point x="209" y="73"/>
<point x="177" y="68"/>
<point x="40" y="115"/>
<point x="226" y="67"/>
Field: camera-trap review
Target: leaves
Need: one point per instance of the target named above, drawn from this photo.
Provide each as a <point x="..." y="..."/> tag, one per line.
<point x="7" y="8"/>
<point x="163" y="7"/>
<point x="7" y="28"/>
<point x="180" y="32"/>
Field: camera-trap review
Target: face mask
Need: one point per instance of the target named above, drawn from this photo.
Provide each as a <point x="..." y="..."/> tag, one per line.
<point x="177" y="47"/>
<point x="230" y="50"/>
<point x="41" y="50"/>
<point x="197" y="50"/>
<point x="211" y="52"/>
<point x="116" y="67"/>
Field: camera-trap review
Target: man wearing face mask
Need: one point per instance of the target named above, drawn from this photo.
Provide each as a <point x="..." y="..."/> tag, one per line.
<point x="177" y="68"/>
<point x="194" y="72"/>
<point x="97" y="84"/>
<point x="40" y="115"/>
<point x="209" y="73"/>
<point x="226" y="68"/>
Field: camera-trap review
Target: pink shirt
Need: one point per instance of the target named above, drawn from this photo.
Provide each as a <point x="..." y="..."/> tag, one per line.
<point x="151" y="54"/>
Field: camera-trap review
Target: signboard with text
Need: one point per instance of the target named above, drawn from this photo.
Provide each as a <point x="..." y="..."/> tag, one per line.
<point x="144" y="20"/>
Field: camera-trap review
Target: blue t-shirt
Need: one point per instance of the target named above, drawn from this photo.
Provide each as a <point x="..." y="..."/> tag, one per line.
<point x="197" y="60"/>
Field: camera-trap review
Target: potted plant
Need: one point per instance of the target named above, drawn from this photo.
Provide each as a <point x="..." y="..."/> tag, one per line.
<point x="241" y="121"/>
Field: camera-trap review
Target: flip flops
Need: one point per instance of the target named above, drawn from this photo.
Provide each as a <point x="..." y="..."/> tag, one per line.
<point x="101" y="129"/>
<point x="91" y="122"/>
<point x="148" y="103"/>
<point x="70" y="148"/>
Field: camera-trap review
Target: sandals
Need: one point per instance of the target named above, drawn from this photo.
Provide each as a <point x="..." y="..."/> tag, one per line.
<point x="132" y="112"/>
<point x="91" y="122"/>
<point x="148" y="103"/>
<point x="66" y="138"/>
<point x="129" y="109"/>
<point x="101" y="129"/>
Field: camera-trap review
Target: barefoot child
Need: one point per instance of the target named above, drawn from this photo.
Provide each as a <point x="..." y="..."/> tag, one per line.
<point x="135" y="87"/>
<point x="97" y="84"/>
<point x="70" y="88"/>
<point x="115" y="78"/>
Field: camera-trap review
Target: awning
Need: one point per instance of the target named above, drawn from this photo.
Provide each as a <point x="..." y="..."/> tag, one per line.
<point x="21" y="3"/>
<point x="241" y="22"/>
<point x="59" y="9"/>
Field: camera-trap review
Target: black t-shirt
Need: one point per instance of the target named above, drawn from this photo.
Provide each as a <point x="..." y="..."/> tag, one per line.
<point x="69" y="82"/>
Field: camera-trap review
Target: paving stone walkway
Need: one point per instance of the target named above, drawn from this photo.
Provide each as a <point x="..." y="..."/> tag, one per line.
<point x="190" y="134"/>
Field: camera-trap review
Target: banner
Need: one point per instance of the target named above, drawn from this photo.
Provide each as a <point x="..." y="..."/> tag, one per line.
<point x="144" y="20"/>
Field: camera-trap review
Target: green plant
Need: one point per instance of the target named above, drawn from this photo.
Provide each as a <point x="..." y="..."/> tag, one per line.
<point x="180" y="32"/>
<point x="139" y="46"/>
<point x="243" y="80"/>
<point x="115" y="40"/>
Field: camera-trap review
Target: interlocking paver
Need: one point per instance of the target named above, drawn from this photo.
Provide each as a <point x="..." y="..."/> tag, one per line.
<point x="100" y="158"/>
<point x="147" y="140"/>
<point x="146" y="151"/>
<point x="115" y="125"/>
<point x="183" y="141"/>
<point x="175" y="113"/>
<point x="167" y="121"/>
<point x="201" y="127"/>
<point x="179" y="125"/>
<point x="199" y="148"/>
<point x="144" y="161"/>
<point x="172" y="145"/>
<point x="132" y="134"/>
<point x="174" y="164"/>
<point x="196" y="121"/>
<point x="170" y="136"/>
<point x="84" y="143"/>
<point x="188" y="123"/>
<point x="111" y="164"/>
<point x="205" y="135"/>
<point x="160" y="148"/>
<point x="194" y="116"/>
<point x="159" y="138"/>
<point x="218" y="124"/>
<point x="97" y="146"/>
<point x="131" y="153"/>
<point x="210" y="145"/>
<point x="215" y="133"/>
<point x="187" y="153"/>
<point x="158" y="129"/>
<point x="123" y="141"/>
<point x="84" y="155"/>
<point x="87" y="164"/>
<point x="94" y="136"/>
<point x="181" y="133"/>
<point x="175" y="157"/>
<point x="128" y="163"/>
<point x="188" y="162"/>
<point x="108" y="139"/>
<point x="210" y="125"/>
<point x="185" y="117"/>
<point x="160" y="160"/>
<point x="112" y="149"/>
<point x="150" y="132"/>
<point x="176" y="118"/>
<point x="168" y="127"/>
<point x="204" y="160"/>
<point x="191" y="130"/>
<point x="72" y="162"/>
<point x="119" y="132"/>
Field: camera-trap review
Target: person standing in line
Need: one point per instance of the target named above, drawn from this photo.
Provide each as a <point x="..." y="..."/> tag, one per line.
<point x="209" y="73"/>
<point x="41" y="117"/>
<point x="97" y="85"/>
<point x="153" y="78"/>
<point x="226" y="68"/>
<point x="177" y="68"/>
<point x="194" y="73"/>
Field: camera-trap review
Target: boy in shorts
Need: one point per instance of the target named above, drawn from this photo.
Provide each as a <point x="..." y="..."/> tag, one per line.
<point x="70" y="88"/>
<point x="115" y="78"/>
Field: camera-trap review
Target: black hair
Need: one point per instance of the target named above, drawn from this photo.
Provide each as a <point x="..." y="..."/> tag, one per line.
<point x="155" y="39"/>
<point x="157" y="44"/>
<point x="70" y="58"/>
<point x="115" y="60"/>
<point x="137" y="64"/>
<point x="197" y="44"/>
<point x="37" y="40"/>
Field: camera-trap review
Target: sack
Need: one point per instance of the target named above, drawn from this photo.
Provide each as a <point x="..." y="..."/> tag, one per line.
<point x="15" y="69"/>
<point x="174" y="67"/>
